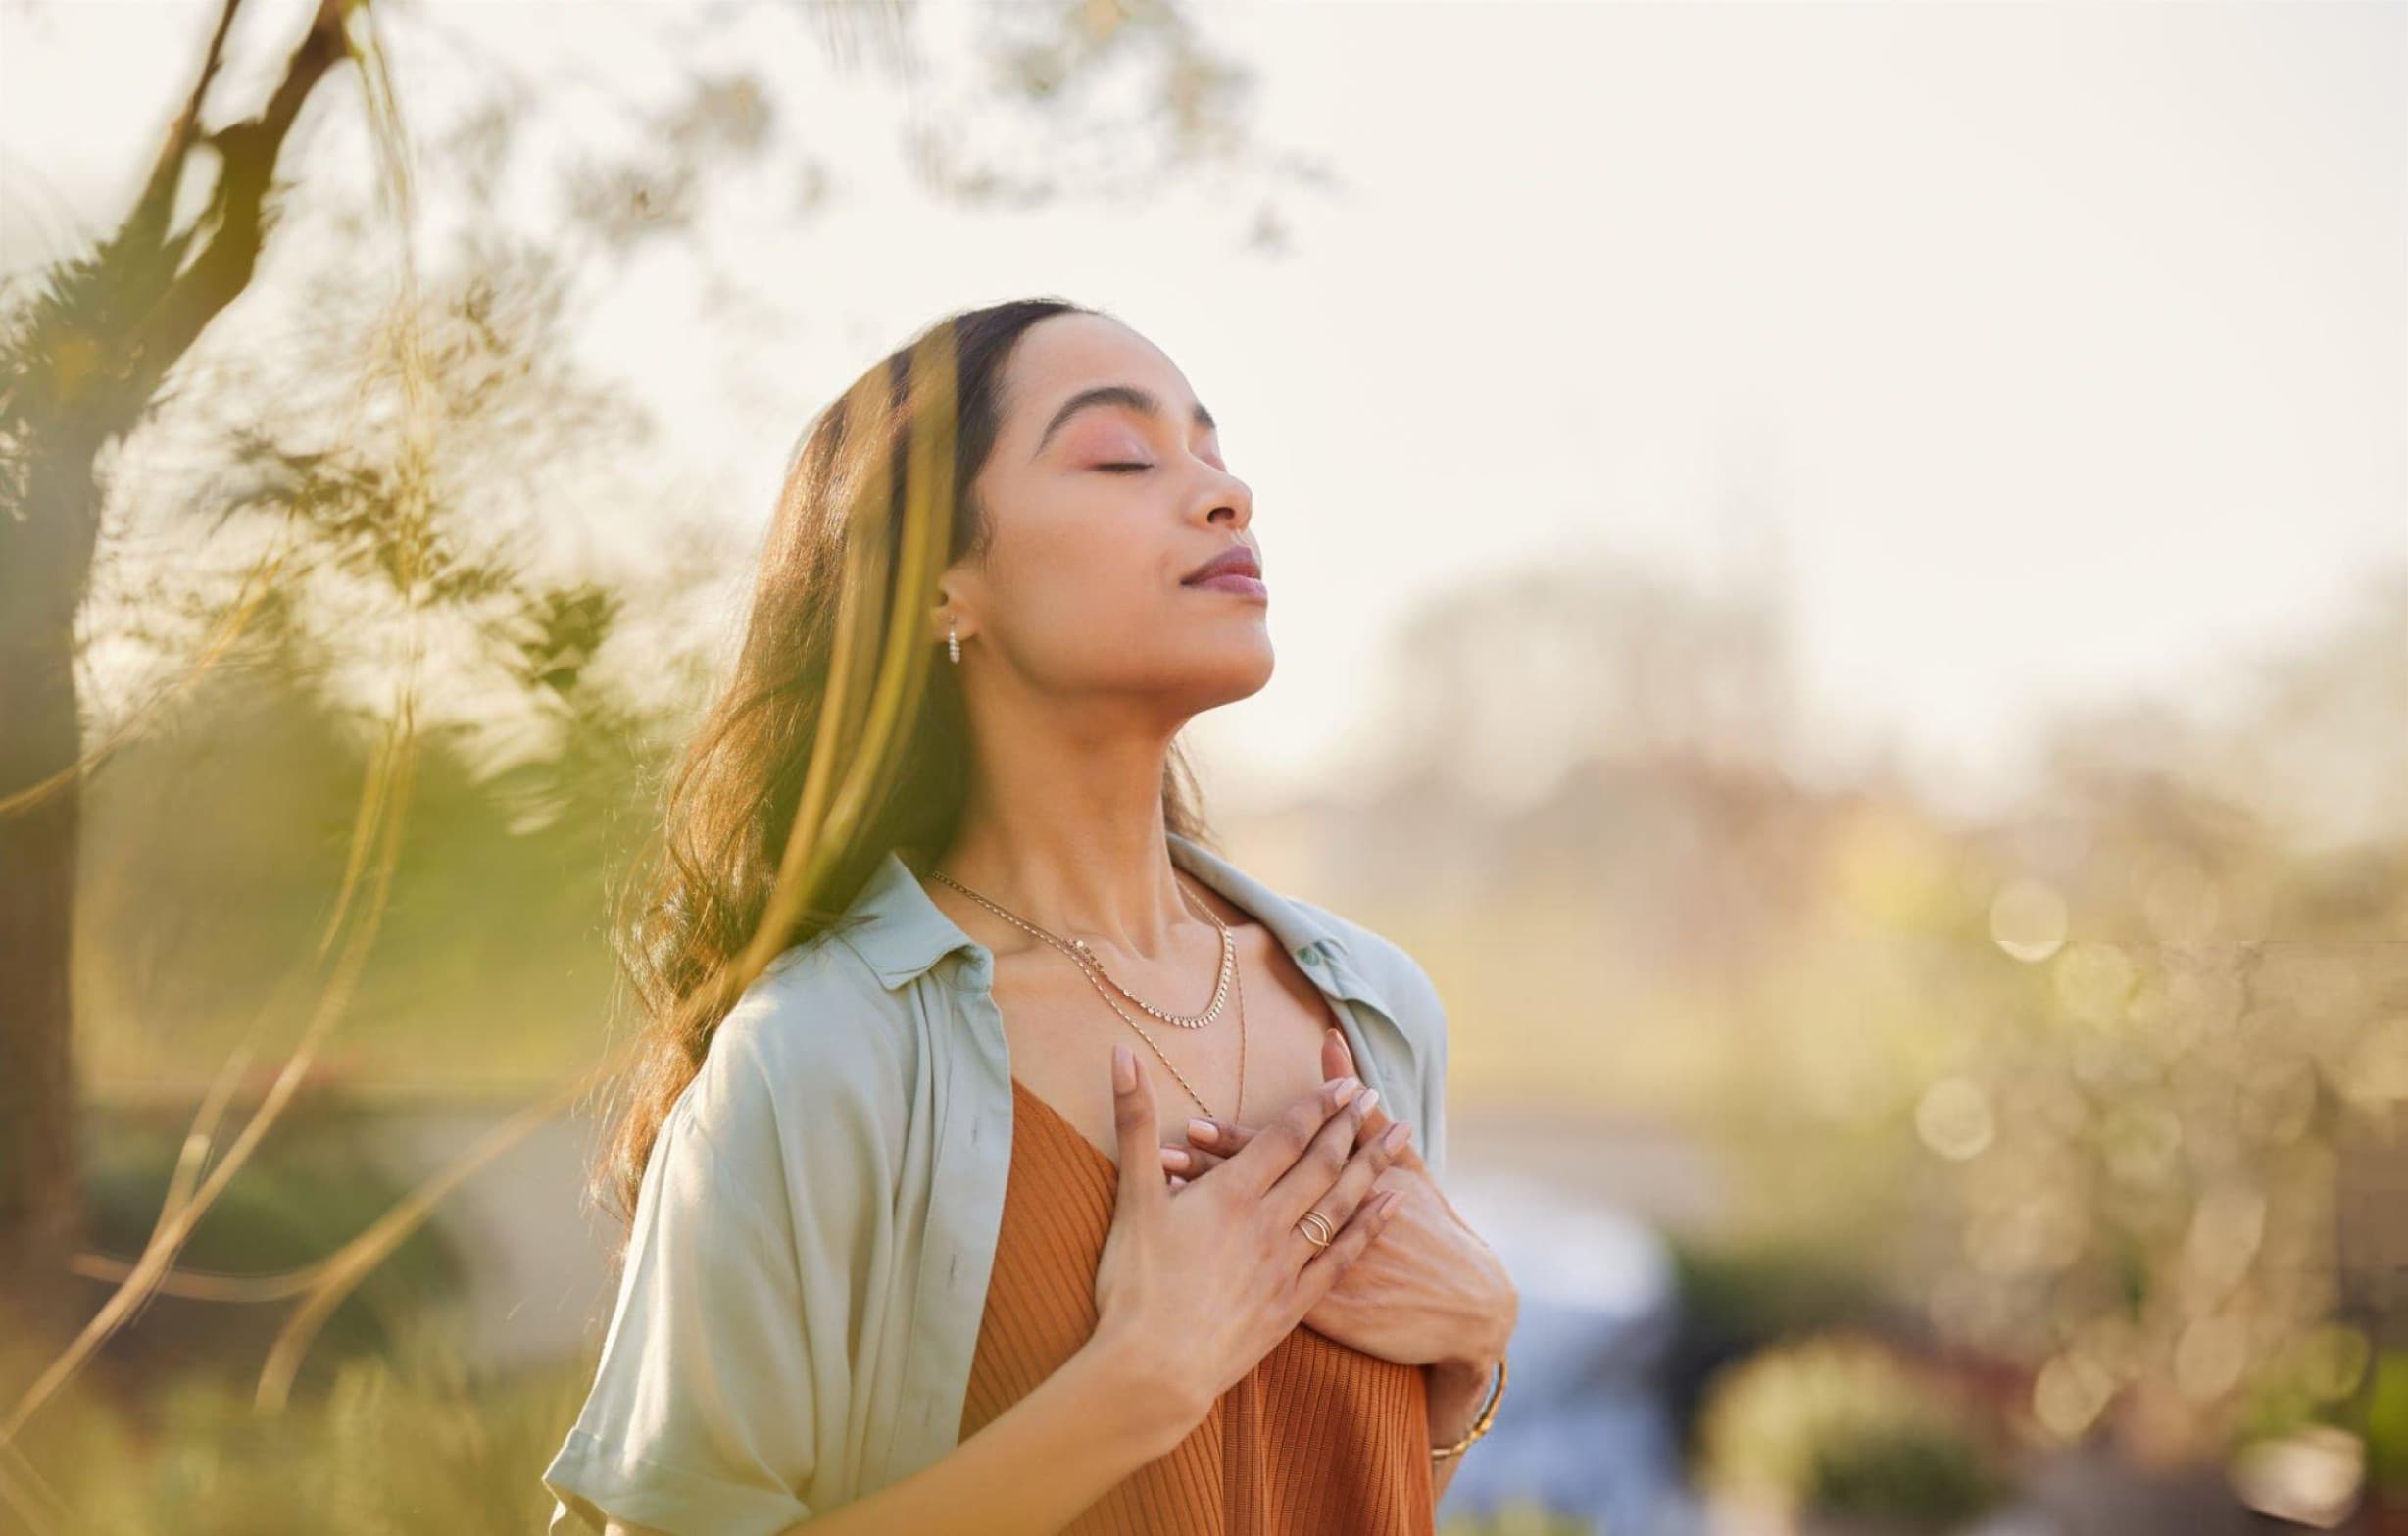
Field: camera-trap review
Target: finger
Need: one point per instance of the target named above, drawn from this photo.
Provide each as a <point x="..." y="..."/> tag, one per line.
<point x="1378" y="1126"/>
<point x="1321" y="1270"/>
<point x="1323" y="1163"/>
<point x="1210" y="1142"/>
<point x="1275" y="1149"/>
<point x="1190" y="1161"/>
<point x="1133" y="1122"/>
<point x="1378" y="1123"/>
<point x="1223" y="1137"/>
<point x="1336" y="1060"/>
<point x="1356" y="1182"/>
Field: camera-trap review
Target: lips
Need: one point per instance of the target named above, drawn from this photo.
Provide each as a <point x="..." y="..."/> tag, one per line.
<point x="1238" y="560"/>
<point x="1231" y="581"/>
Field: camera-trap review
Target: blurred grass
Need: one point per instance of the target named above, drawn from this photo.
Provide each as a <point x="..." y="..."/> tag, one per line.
<point x="312" y="1187"/>
<point x="1517" y="1517"/>
<point x="413" y="1441"/>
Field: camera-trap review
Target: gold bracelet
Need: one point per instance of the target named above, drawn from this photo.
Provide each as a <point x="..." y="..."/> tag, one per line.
<point x="1480" y="1425"/>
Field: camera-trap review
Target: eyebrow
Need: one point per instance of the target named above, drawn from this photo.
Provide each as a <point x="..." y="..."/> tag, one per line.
<point x="1129" y="395"/>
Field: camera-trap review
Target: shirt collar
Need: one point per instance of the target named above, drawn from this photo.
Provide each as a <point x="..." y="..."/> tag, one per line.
<point x="895" y="925"/>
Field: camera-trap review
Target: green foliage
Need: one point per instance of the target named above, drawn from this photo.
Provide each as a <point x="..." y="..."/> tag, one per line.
<point x="1836" y="1424"/>
<point x="1905" y="1470"/>
<point x="2387" y="1423"/>
<point x="1517" y="1517"/>
<point x="311" y="1186"/>
<point x="1738" y="1295"/>
<point x="492" y="964"/>
<point x="1756" y="1291"/>
<point x="2314" y="1382"/>
<point x="413" y="1443"/>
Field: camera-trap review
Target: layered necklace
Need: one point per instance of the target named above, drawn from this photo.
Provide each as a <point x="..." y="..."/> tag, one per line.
<point x="1230" y="981"/>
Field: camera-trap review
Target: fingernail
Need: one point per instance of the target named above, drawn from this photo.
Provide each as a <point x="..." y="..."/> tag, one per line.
<point x="1371" y="1095"/>
<point x="1176" y="1181"/>
<point x="1345" y="1090"/>
<point x="1202" y="1130"/>
<point x="1124" y="1068"/>
<point x="1394" y="1141"/>
<point x="1173" y="1158"/>
<point x="1387" y="1206"/>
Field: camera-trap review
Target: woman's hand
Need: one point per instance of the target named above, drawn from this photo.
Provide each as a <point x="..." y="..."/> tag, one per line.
<point x="1430" y="1292"/>
<point x="1194" y="1290"/>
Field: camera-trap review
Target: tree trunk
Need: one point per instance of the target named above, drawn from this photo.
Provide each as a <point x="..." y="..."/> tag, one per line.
<point x="82" y="363"/>
<point x="45" y="561"/>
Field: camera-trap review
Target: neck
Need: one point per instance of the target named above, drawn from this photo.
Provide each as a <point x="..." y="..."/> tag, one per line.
<point x="1068" y="834"/>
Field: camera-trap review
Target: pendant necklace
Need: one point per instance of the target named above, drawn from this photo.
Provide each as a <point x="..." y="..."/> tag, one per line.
<point x="1231" y="981"/>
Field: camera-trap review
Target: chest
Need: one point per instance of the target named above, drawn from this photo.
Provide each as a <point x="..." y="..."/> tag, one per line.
<point x="1267" y="1038"/>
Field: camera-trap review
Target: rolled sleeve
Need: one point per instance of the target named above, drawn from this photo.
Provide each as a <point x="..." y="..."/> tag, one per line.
<point x="700" y="1419"/>
<point x="592" y="1482"/>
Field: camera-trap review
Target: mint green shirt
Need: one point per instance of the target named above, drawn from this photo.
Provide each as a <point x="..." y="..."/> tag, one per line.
<point x="806" y="1268"/>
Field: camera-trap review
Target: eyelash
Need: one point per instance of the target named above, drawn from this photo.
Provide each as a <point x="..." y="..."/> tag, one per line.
<point x="1124" y="467"/>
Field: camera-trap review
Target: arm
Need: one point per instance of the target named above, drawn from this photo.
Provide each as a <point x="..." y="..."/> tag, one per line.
<point x="727" y="1378"/>
<point x="1458" y="1388"/>
<point x="725" y="1374"/>
<point x="1031" y="1471"/>
<point x="1457" y="1392"/>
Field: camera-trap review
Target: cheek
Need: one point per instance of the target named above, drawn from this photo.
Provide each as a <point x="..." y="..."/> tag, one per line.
<point x="1082" y="579"/>
<point x="1088" y="602"/>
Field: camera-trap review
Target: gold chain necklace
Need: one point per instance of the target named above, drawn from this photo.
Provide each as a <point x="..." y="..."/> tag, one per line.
<point x="1232" y="979"/>
<point x="1221" y="988"/>
<point x="1079" y="950"/>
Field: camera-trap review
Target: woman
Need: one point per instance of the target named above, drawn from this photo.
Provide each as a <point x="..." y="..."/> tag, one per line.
<point x="932" y="899"/>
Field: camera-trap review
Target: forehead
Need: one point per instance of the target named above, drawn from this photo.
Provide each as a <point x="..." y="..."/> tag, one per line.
<point x="1065" y="354"/>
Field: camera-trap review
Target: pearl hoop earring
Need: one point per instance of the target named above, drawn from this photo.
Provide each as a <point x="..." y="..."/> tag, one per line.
<point x="953" y="642"/>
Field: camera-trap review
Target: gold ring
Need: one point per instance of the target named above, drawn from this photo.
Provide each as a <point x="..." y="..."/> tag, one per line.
<point x="1328" y="1233"/>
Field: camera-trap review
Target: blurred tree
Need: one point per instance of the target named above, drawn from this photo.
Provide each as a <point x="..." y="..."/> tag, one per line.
<point x="80" y="367"/>
<point x="1509" y="684"/>
<point x="391" y="512"/>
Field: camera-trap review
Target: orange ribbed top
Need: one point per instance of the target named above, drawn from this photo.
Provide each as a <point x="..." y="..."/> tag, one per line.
<point x="1318" y="1437"/>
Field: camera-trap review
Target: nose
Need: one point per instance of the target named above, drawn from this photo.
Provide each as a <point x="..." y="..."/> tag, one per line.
<point x="1230" y="504"/>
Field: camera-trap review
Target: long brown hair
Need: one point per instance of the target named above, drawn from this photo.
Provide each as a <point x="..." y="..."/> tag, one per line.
<point x="835" y="739"/>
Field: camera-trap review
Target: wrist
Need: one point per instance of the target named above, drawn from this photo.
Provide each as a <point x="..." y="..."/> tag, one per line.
<point x="1473" y="1362"/>
<point x="1463" y="1402"/>
<point x="1476" y="1363"/>
<point x="1484" y="1321"/>
<point x="1458" y="1389"/>
<point x="1138" y="1396"/>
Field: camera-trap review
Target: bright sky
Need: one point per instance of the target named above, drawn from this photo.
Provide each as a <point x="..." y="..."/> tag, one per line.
<point x="2055" y="352"/>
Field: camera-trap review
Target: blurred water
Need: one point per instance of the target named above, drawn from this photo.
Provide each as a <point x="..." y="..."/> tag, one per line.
<point x="1583" y="1428"/>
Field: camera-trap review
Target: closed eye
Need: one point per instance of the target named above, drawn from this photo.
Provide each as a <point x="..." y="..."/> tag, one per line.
<point x="1124" y="467"/>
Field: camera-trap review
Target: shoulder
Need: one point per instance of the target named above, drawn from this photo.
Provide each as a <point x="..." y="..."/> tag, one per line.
<point x="1389" y="969"/>
<point x="812" y="1056"/>
<point x="817" y="1012"/>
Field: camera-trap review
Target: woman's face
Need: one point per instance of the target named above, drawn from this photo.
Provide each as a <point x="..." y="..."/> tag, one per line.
<point x="1097" y="511"/>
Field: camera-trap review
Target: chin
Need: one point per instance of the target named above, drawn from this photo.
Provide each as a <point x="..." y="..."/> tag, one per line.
<point x="1241" y="673"/>
<point x="1218" y="671"/>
